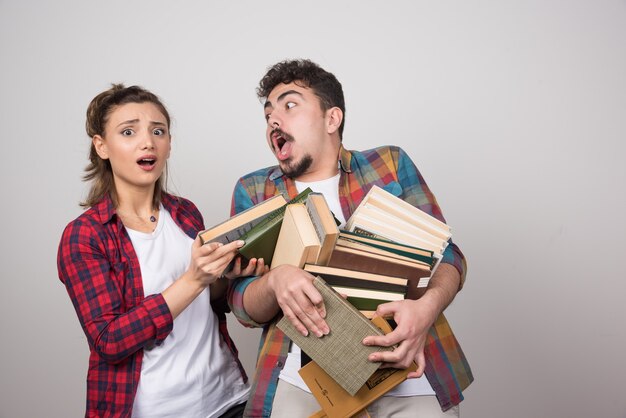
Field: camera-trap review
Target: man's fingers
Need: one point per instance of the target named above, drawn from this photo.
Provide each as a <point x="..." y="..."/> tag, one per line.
<point x="293" y="318"/>
<point x="420" y="360"/>
<point x="387" y="340"/>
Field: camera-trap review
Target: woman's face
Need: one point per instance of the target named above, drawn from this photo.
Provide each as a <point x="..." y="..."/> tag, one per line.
<point x="137" y="143"/>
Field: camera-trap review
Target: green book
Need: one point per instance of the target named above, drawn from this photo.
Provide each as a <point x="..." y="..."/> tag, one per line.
<point x="404" y="250"/>
<point x="341" y="353"/>
<point x="261" y="239"/>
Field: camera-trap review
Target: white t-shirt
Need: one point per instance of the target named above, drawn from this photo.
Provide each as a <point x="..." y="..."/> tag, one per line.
<point x="193" y="373"/>
<point x="411" y="387"/>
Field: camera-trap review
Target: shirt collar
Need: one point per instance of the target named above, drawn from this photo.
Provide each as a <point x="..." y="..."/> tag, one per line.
<point x="105" y="210"/>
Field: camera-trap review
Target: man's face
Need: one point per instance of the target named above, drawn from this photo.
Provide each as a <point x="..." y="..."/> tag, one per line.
<point x="296" y="128"/>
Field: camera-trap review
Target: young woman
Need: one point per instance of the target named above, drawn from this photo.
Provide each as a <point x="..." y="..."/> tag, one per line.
<point x="150" y="298"/>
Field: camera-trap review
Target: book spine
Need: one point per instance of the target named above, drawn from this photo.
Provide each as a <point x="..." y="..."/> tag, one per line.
<point x="364" y="284"/>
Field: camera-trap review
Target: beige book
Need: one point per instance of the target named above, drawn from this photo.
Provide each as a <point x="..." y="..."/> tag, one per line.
<point x="403" y="209"/>
<point x="297" y="243"/>
<point x="236" y="226"/>
<point x="387" y="230"/>
<point x="324" y="224"/>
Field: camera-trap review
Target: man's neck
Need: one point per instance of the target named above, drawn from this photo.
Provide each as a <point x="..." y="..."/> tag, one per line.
<point x="325" y="169"/>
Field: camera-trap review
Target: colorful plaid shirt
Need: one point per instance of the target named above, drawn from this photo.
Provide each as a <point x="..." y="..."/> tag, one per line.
<point x="389" y="167"/>
<point x="100" y="269"/>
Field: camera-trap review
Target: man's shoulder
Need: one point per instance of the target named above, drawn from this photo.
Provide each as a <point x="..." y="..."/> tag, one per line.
<point x="261" y="175"/>
<point x="385" y="152"/>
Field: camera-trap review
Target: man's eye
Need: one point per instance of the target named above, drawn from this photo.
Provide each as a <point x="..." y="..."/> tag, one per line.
<point x="159" y="131"/>
<point x="267" y="116"/>
<point x="127" y="132"/>
<point x="289" y="105"/>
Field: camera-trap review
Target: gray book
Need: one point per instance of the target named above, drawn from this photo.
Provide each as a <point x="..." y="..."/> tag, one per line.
<point x="340" y="353"/>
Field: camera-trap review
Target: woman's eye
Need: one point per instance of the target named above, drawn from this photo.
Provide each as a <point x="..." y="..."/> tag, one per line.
<point x="289" y="105"/>
<point x="159" y="131"/>
<point x="127" y="132"/>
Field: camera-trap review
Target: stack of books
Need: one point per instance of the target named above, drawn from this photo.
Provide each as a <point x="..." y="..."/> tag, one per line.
<point x="398" y="227"/>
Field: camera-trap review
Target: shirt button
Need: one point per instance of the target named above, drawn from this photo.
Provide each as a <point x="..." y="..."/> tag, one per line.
<point x="279" y="364"/>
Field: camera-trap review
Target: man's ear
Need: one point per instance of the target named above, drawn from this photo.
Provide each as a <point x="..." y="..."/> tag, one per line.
<point x="334" y="117"/>
<point x="100" y="146"/>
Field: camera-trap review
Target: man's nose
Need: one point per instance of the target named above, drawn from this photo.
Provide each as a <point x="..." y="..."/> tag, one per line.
<point x="273" y="121"/>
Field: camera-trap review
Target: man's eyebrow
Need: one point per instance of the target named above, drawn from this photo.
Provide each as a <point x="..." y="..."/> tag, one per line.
<point x="281" y="97"/>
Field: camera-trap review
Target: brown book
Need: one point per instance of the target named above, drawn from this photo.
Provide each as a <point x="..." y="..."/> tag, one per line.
<point x="376" y="263"/>
<point x="336" y="402"/>
<point x="298" y="242"/>
<point x="235" y="227"/>
<point x="336" y="276"/>
<point x="341" y="353"/>
<point x="325" y="225"/>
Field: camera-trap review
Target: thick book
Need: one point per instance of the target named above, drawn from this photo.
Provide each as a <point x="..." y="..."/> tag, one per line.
<point x="341" y="353"/>
<point x="409" y="251"/>
<point x="298" y="243"/>
<point x="235" y="227"/>
<point x="371" y="262"/>
<point x="387" y="249"/>
<point x="384" y="215"/>
<point x="391" y="229"/>
<point x="336" y="402"/>
<point x="325" y="225"/>
<point x="335" y="276"/>
<point x="261" y="239"/>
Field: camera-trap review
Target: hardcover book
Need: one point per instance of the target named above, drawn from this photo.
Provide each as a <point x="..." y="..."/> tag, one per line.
<point x="336" y="402"/>
<point x="298" y="242"/>
<point x="261" y="239"/>
<point x="325" y="225"/>
<point x="340" y="353"/>
<point x="233" y="228"/>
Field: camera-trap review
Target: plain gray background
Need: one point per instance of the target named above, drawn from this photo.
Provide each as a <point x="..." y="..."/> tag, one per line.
<point x="514" y="111"/>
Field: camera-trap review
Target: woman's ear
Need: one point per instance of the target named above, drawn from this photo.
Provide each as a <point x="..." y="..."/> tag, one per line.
<point x="100" y="147"/>
<point x="334" y="117"/>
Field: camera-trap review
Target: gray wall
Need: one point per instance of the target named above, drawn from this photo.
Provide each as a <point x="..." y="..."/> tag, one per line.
<point x="515" y="112"/>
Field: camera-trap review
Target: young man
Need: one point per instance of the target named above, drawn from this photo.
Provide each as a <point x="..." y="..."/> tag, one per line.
<point x="304" y="108"/>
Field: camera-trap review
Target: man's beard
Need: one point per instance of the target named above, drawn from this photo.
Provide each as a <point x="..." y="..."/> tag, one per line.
<point x="297" y="169"/>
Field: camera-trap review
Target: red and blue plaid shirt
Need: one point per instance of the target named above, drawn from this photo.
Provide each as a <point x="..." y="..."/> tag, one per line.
<point x="389" y="167"/>
<point x="100" y="269"/>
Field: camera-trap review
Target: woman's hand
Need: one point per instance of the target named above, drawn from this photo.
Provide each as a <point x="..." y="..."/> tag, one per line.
<point x="209" y="261"/>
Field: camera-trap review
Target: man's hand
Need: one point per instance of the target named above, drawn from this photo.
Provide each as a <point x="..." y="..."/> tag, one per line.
<point x="255" y="267"/>
<point x="414" y="319"/>
<point x="299" y="300"/>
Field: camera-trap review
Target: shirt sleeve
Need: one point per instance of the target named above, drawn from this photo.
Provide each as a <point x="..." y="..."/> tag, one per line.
<point x="97" y="287"/>
<point x="417" y="192"/>
<point x="241" y="201"/>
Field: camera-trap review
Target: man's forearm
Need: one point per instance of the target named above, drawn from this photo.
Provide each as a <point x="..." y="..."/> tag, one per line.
<point x="442" y="287"/>
<point x="259" y="300"/>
